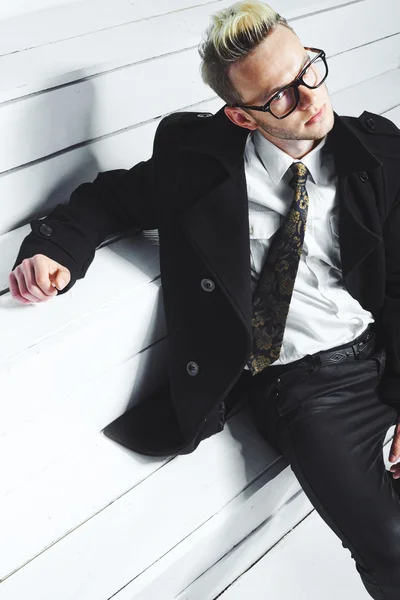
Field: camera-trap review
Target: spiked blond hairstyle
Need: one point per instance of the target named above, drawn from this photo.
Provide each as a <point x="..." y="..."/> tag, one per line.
<point x="232" y="34"/>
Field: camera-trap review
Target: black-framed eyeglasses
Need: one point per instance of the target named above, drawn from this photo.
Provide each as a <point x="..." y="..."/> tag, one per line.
<point x="285" y="100"/>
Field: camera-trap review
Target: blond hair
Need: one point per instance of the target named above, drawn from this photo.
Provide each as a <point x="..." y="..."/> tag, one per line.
<point x="233" y="33"/>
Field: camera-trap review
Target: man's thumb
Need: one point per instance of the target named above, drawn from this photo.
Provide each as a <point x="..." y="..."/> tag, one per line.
<point x="62" y="280"/>
<point x="61" y="283"/>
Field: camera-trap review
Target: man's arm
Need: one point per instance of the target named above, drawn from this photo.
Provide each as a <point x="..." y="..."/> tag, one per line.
<point x="116" y="201"/>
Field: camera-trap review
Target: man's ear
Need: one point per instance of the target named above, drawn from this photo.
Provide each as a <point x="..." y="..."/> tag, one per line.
<point x="240" y="118"/>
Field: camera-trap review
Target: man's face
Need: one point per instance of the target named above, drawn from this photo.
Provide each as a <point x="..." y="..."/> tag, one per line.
<point x="274" y="63"/>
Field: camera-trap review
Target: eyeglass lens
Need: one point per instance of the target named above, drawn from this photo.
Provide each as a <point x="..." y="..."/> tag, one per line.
<point x="286" y="100"/>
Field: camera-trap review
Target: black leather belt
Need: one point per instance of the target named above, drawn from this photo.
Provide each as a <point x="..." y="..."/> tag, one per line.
<point x="362" y="347"/>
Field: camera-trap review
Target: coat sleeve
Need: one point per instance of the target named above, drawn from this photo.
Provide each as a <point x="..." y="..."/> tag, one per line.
<point x="390" y="315"/>
<point x="116" y="201"/>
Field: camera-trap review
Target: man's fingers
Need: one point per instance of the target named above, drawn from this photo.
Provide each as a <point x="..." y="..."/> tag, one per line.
<point x="14" y="288"/>
<point x="35" y="281"/>
<point x="40" y="279"/>
<point x="23" y="290"/>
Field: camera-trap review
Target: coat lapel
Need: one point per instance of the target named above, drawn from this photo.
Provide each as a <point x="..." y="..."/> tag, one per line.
<point x="218" y="224"/>
<point x="359" y="220"/>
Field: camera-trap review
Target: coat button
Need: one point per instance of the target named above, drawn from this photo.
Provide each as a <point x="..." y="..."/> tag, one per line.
<point x="204" y="115"/>
<point x="45" y="229"/>
<point x="371" y="123"/>
<point x="192" y="368"/>
<point x="208" y="285"/>
<point x="363" y="176"/>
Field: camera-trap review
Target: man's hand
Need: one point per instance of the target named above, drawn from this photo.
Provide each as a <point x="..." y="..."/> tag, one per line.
<point x="395" y="452"/>
<point x="37" y="279"/>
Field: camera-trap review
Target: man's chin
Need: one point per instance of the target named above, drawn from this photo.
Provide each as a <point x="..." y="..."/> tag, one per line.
<point x="326" y="123"/>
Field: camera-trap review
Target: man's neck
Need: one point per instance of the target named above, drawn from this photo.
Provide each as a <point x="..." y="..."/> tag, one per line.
<point x="297" y="149"/>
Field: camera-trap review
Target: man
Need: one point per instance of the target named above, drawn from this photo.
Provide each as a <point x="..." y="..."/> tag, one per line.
<point x="279" y="224"/>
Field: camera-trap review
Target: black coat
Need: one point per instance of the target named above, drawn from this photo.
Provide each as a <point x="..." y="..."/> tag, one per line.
<point x="193" y="190"/>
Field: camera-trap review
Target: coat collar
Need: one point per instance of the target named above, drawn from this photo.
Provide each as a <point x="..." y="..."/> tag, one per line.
<point x="224" y="140"/>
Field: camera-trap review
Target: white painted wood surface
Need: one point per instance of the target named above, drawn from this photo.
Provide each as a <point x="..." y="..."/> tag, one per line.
<point x="308" y="564"/>
<point x="22" y="7"/>
<point x="83" y="88"/>
<point x="118" y="539"/>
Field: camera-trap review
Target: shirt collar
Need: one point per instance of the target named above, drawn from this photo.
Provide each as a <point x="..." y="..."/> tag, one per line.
<point x="277" y="162"/>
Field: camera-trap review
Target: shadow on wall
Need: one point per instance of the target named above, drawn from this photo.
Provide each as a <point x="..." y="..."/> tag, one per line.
<point x="58" y="120"/>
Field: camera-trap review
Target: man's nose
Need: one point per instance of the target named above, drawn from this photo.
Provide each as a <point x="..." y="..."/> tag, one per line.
<point x="308" y="97"/>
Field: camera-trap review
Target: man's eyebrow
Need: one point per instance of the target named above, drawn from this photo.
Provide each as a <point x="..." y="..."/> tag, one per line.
<point x="265" y="96"/>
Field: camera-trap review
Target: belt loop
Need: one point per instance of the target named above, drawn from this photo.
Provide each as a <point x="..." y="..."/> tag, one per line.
<point x="356" y="349"/>
<point x="313" y="361"/>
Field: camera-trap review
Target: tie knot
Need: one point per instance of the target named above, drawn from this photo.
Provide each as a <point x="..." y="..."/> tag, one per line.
<point x="300" y="172"/>
<point x="299" y="168"/>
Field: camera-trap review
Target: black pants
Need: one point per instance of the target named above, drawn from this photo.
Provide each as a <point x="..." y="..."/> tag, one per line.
<point x="330" y="425"/>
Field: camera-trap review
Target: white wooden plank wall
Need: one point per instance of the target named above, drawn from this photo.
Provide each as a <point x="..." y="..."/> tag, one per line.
<point x="83" y="86"/>
<point x="15" y="8"/>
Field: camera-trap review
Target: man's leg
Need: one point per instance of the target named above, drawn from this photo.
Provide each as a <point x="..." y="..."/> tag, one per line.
<point x="330" y="425"/>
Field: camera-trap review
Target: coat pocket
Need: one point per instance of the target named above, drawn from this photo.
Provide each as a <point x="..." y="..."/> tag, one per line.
<point x="262" y="226"/>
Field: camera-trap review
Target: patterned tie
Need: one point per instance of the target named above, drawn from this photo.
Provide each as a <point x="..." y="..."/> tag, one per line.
<point x="274" y="291"/>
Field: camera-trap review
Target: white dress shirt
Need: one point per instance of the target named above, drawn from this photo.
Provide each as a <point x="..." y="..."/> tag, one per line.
<point x="322" y="313"/>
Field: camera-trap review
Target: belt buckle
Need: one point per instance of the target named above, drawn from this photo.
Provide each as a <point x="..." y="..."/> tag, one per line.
<point x="356" y="347"/>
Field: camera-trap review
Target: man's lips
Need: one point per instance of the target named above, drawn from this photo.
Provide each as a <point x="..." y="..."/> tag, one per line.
<point x="316" y="117"/>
